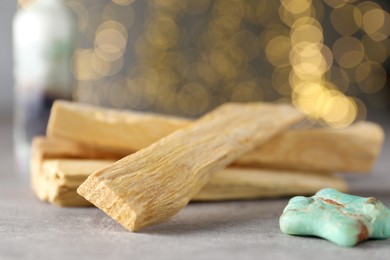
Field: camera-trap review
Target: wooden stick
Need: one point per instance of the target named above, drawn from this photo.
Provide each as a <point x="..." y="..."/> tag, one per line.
<point x="62" y="148"/>
<point x="59" y="178"/>
<point x="249" y="183"/>
<point x="352" y="149"/>
<point x="110" y="129"/>
<point x="153" y="184"/>
<point x="46" y="148"/>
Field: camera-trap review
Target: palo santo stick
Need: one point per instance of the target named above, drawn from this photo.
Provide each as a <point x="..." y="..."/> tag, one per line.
<point x="124" y="132"/>
<point x="59" y="179"/>
<point x="153" y="184"/>
<point x="45" y="148"/>
<point x="352" y="149"/>
<point x="62" y="148"/>
<point x="245" y="183"/>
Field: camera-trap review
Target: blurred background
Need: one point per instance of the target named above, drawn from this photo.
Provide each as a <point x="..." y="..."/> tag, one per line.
<point x="329" y="58"/>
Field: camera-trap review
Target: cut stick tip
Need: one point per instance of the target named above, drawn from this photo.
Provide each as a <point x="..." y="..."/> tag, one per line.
<point x="113" y="205"/>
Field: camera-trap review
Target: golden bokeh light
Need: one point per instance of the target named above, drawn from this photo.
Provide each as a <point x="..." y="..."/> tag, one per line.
<point x="196" y="7"/>
<point x="338" y="3"/>
<point x="269" y="33"/>
<point x="110" y="44"/>
<point x="377" y="28"/>
<point x="310" y="61"/>
<point x="110" y="41"/>
<point x="306" y="20"/>
<point x="206" y="73"/>
<point x="187" y="57"/>
<point x="361" y="109"/>
<point x="116" y="12"/>
<point x="228" y="8"/>
<point x="116" y="94"/>
<point x="373" y="20"/>
<point x="93" y="22"/>
<point x="277" y="51"/>
<point x="311" y="97"/>
<point x="346" y="19"/>
<point x="307" y="33"/>
<point x="377" y="51"/>
<point x="348" y="52"/>
<point x="85" y="92"/>
<point x="308" y="66"/>
<point x="296" y="7"/>
<point x="82" y="64"/>
<point x="169" y="4"/>
<point x="134" y="94"/>
<point x="371" y="77"/>
<point x="341" y="110"/>
<point x="294" y="79"/>
<point x="123" y="2"/>
<point x="265" y="12"/>
<point x="338" y="77"/>
<point x="280" y="80"/>
<point x="162" y="32"/>
<point x="114" y="67"/>
<point x="327" y="105"/>
<point x="246" y="92"/>
<point x="193" y="99"/>
<point x="222" y="64"/>
<point x="99" y="65"/>
<point x="248" y="43"/>
<point x="145" y="90"/>
<point x="318" y="10"/>
<point x="289" y="17"/>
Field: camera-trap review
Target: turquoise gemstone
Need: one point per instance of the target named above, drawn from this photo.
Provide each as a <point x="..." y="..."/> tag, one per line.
<point x="340" y="218"/>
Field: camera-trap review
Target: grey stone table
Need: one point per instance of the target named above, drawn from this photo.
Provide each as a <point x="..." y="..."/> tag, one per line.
<point x="30" y="229"/>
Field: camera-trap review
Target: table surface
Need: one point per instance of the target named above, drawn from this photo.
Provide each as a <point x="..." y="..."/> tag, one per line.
<point x="31" y="229"/>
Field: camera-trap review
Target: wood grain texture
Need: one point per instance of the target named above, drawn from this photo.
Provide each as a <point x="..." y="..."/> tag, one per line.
<point x="121" y="131"/>
<point x="44" y="148"/>
<point x="153" y="184"/>
<point x="59" y="179"/>
<point x="352" y="149"/>
<point x="235" y="183"/>
<point x="56" y="147"/>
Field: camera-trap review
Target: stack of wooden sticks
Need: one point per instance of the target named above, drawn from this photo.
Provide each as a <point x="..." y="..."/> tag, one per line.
<point x="168" y="161"/>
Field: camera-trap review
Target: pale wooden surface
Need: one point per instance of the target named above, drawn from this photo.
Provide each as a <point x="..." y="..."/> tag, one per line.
<point x="109" y="128"/>
<point x="31" y="229"/>
<point x="249" y="183"/>
<point x="46" y="148"/>
<point x="58" y="179"/>
<point x="353" y="149"/>
<point x="153" y="184"/>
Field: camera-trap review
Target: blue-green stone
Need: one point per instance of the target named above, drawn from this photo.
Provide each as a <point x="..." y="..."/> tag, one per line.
<point x="340" y="218"/>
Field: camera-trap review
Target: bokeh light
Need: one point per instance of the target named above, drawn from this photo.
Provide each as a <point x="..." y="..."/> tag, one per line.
<point x="348" y="52"/>
<point x="187" y="57"/>
<point x="123" y="2"/>
<point x="346" y="19"/>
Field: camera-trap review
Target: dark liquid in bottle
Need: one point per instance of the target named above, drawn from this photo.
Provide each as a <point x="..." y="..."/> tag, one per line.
<point x="32" y="111"/>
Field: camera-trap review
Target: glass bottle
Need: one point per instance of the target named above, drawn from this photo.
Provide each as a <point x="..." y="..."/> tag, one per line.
<point x="43" y="38"/>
